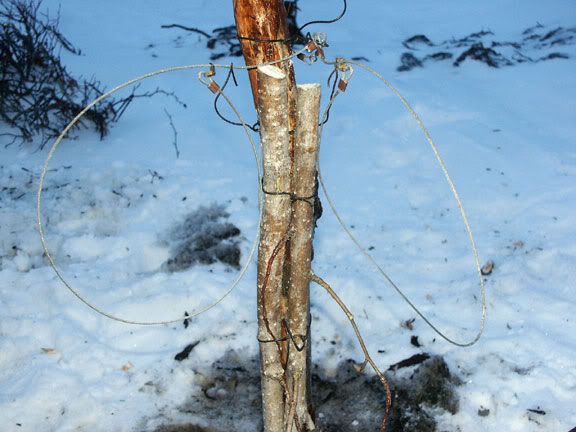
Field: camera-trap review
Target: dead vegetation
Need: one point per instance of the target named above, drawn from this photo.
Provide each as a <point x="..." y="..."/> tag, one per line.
<point x="204" y="237"/>
<point x="38" y="95"/>
<point x="536" y="44"/>
<point x="223" y="41"/>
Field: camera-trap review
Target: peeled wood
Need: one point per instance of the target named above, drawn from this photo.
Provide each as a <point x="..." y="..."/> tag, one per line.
<point x="273" y="114"/>
<point x="304" y="189"/>
<point x="263" y="20"/>
<point x="266" y="20"/>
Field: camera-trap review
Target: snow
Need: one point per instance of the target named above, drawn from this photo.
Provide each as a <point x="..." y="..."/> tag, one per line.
<point x="507" y="136"/>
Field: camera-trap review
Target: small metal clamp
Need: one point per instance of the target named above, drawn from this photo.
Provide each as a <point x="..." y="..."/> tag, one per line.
<point x="320" y="39"/>
<point x="206" y="79"/>
<point x="345" y="73"/>
<point x="316" y="44"/>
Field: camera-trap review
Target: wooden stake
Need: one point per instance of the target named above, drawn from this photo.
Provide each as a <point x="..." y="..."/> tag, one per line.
<point x="288" y="218"/>
<point x="304" y="193"/>
<point x="258" y="21"/>
<point x="273" y="114"/>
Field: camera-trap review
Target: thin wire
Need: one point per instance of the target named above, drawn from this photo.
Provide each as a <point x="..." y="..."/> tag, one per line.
<point x="255" y="152"/>
<point x="99" y="99"/>
<point x="296" y="38"/>
<point x="45" y="171"/>
<point x="326" y="116"/>
<point x="453" y="189"/>
<point x="231" y="74"/>
<point x="223" y="87"/>
<point x="254" y="39"/>
<point x="291" y="336"/>
<point x="338" y="18"/>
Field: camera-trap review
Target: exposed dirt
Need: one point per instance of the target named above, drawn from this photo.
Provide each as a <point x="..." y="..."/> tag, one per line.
<point x="345" y="401"/>
<point x="204" y="237"/>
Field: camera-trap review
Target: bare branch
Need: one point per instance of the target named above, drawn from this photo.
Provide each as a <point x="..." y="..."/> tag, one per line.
<point x="191" y="29"/>
<point x="368" y="359"/>
<point x="174" y="131"/>
<point x="38" y="96"/>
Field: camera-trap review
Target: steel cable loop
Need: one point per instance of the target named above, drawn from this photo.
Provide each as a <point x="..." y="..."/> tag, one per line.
<point x="338" y="63"/>
<point x="44" y="172"/>
<point x="109" y="93"/>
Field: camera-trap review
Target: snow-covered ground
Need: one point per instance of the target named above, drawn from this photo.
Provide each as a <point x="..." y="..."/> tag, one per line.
<point x="507" y="136"/>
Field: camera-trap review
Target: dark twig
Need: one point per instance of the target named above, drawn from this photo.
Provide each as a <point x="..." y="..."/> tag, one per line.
<point x="191" y="29"/>
<point x="269" y="264"/>
<point x="175" y="132"/>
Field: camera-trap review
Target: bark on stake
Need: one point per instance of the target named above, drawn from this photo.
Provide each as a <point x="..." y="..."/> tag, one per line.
<point x="304" y="190"/>
<point x="273" y="114"/>
<point x="260" y="21"/>
<point x="263" y="32"/>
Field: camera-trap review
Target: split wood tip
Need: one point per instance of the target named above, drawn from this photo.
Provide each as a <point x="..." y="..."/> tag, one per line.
<point x="272" y="71"/>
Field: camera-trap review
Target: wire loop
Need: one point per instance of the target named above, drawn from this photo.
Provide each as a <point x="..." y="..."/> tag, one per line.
<point x="343" y="64"/>
<point x="206" y="78"/>
<point x="342" y="74"/>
